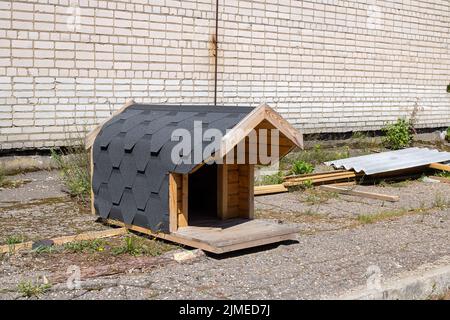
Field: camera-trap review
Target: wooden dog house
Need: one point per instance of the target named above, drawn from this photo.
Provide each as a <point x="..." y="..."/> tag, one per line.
<point x="209" y="206"/>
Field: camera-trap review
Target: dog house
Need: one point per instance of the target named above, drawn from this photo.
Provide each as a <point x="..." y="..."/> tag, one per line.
<point x="144" y="180"/>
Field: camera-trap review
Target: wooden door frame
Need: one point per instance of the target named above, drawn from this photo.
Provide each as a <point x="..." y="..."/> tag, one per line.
<point x="178" y="201"/>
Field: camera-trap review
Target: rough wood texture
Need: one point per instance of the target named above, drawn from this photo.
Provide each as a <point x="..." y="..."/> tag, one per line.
<point x="222" y="191"/>
<point x="440" y="166"/>
<point x="183" y="214"/>
<point x="365" y="194"/>
<point x="174" y="181"/>
<point x="251" y="121"/>
<point x="236" y="234"/>
<point x="320" y="180"/>
<point x="269" y="189"/>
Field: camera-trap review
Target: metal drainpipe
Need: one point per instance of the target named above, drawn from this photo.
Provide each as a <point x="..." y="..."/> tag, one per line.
<point x="216" y="52"/>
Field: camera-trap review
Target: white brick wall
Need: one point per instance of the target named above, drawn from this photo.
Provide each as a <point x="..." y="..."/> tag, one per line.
<point x="327" y="65"/>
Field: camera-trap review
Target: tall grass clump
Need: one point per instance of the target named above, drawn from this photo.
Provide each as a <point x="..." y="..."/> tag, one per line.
<point x="74" y="164"/>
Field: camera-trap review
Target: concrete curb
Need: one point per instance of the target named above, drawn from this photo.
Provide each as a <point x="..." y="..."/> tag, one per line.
<point x="16" y="164"/>
<point x="417" y="285"/>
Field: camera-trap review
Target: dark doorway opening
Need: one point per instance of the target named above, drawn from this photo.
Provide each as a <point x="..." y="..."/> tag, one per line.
<point x="202" y="195"/>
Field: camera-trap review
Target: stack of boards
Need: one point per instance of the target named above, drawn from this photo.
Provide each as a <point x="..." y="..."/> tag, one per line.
<point x="334" y="180"/>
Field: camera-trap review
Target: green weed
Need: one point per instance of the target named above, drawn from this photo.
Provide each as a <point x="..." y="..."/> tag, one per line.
<point x="397" y="135"/>
<point x="29" y="289"/>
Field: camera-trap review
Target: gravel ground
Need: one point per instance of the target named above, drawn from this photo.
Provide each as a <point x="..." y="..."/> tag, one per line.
<point x="38" y="209"/>
<point x="334" y="252"/>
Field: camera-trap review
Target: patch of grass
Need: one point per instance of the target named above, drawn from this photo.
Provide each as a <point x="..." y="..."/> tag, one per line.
<point x="397" y="135"/>
<point x="364" y="141"/>
<point x="372" y="218"/>
<point x="89" y="246"/>
<point x="5" y="182"/>
<point x="15" y="239"/>
<point x="29" y="289"/>
<point x="135" y="246"/>
<point x="440" y="202"/>
<point x="447" y="135"/>
<point x="315" y="156"/>
<point x="395" y="184"/>
<point x="443" y="174"/>
<point x="44" y="249"/>
<point x="75" y="171"/>
<point x="275" y="178"/>
<point x="307" y="184"/>
<point x="12" y="240"/>
<point x="301" y="167"/>
<point x="315" y="197"/>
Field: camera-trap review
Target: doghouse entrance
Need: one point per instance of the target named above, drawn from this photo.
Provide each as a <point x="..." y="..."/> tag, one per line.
<point x="202" y="196"/>
<point x="209" y="194"/>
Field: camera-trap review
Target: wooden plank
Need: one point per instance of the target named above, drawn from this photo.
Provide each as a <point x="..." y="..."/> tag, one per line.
<point x="365" y="194"/>
<point x="251" y="121"/>
<point x="441" y="179"/>
<point x="346" y="183"/>
<point x="270" y="189"/>
<point x="246" y="235"/>
<point x="235" y="234"/>
<point x="313" y="176"/>
<point x="184" y="214"/>
<point x="333" y="179"/>
<point x="90" y="137"/>
<point x="258" y="242"/>
<point x="222" y="191"/>
<point x="169" y="237"/>
<point x="316" y="174"/>
<point x="65" y="239"/>
<point x="173" y="201"/>
<point x="440" y="166"/>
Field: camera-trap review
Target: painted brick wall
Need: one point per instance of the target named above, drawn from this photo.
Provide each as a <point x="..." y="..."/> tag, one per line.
<point x="327" y="65"/>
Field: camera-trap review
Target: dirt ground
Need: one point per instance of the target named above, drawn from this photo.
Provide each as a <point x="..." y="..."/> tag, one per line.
<point x="342" y="239"/>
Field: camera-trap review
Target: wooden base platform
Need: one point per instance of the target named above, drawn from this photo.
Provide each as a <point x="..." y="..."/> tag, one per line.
<point x="221" y="236"/>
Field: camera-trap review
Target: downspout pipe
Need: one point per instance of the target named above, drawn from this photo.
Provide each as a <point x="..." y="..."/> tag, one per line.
<point x="216" y="52"/>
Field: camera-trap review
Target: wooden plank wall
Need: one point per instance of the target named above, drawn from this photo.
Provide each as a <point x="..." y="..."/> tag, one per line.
<point x="235" y="191"/>
<point x="252" y="146"/>
<point x="178" y="201"/>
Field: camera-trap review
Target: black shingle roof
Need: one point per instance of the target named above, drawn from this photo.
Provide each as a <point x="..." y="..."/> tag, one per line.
<point x="132" y="159"/>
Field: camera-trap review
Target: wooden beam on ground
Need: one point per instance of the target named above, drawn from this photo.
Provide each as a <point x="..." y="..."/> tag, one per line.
<point x="321" y="175"/>
<point x="269" y="189"/>
<point x="440" y="166"/>
<point x="65" y="239"/>
<point x="324" y="180"/>
<point x="346" y="183"/>
<point x="315" y="174"/>
<point x="441" y="179"/>
<point x="365" y="194"/>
